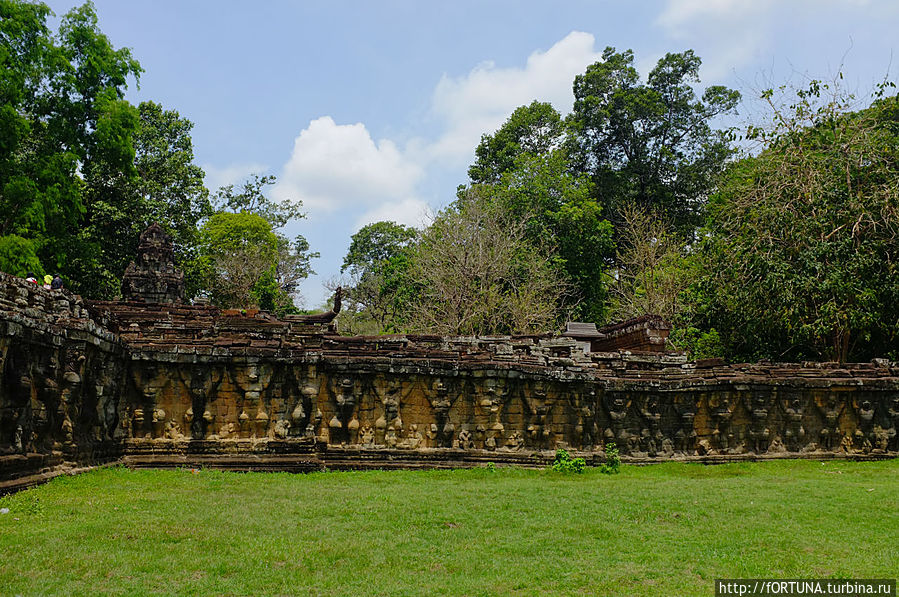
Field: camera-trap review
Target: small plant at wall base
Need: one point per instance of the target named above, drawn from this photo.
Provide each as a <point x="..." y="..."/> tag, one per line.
<point x="564" y="463"/>
<point x="613" y="460"/>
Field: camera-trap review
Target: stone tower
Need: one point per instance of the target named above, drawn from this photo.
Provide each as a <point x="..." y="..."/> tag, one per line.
<point x="153" y="278"/>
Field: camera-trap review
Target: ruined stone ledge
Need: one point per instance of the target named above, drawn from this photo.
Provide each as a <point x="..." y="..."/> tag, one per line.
<point x="176" y="385"/>
<point x="356" y="458"/>
<point x="29" y="470"/>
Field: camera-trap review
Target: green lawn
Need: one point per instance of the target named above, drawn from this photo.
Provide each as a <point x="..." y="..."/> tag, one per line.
<point x="667" y="529"/>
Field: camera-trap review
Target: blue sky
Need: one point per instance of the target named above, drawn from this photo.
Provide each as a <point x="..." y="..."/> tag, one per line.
<point x="371" y="110"/>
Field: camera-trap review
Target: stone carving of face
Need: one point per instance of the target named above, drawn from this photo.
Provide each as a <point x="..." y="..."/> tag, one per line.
<point x="616" y="403"/>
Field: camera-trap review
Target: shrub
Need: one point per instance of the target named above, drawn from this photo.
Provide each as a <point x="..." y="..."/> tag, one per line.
<point x="613" y="460"/>
<point x="699" y="344"/>
<point x="564" y="463"/>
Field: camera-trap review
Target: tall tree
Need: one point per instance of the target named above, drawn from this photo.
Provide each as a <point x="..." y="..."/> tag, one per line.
<point x="239" y="250"/>
<point x="801" y="254"/>
<point x="650" y="274"/>
<point x="535" y="129"/>
<point x="475" y="273"/>
<point x="374" y="244"/>
<point x="38" y="183"/>
<point x="560" y="215"/>
<point x="649" y="143"/>
<point x="244" y="259"/>
<point x="62" y="110"/>
<point x="377" y="262"/>
<point x="164" y="185"/>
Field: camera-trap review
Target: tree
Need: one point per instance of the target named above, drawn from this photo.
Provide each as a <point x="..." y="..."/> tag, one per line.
<point x="240" y="251"/>
<point x="250" y="198"/>
<point x="560" y="216"/>
<point x="535" y="129"/>
<point x="17" y="256"/>
<point x="625" y="143"/>
<point x="649" y="143"/>
<point x="164" y="186"/>
<point x="475" y="273"/>
<point x="377" y="262"/>
<point x="62" y="111"/>
<point x="801" y="252"/>
<point x="650" y="276"/>
<point x="244" y="259"/>
<point x="38" y="185"/>
<point x="90" y="117"/>
<point x="376" y="243"/>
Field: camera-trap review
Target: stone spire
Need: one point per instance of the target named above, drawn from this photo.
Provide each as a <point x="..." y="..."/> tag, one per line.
<point x="153" y="278"/>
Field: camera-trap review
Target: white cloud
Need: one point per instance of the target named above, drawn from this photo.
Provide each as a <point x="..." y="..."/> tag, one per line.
<point x="732" y="35"/>
<point x="482" y="100"/>
<point x="411" y="212"/>
<point x="680" y="14"/>
<point x="233" y="174"/>
<point x="728" y="34"/>
<point x="339" y="167"/>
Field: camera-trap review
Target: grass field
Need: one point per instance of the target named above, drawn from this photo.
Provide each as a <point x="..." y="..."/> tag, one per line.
<point x="667" y="529"/>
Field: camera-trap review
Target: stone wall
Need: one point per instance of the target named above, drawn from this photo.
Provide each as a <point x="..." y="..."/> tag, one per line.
<point x="61" y="385"/>
<point x="169" y="384"/>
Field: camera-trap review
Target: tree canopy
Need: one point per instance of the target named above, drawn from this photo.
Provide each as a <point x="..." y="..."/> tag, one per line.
<point x="475" y="273"/>
<point x="626" y="145"/>
<point x="633" y="202"/>
<point x="535" y="129"/>
<point x="375" y="244"/>
<point x="378" y="290"/>
<point x="649" y="143"/>
<point x="82" y="171"/>
<point x="799" y="258"/>
<point x="243" y="259"/>
<point x="559" y="214"/>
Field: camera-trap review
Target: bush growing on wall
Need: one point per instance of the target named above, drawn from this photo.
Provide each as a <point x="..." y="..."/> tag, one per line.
<point x="564" y="463"/>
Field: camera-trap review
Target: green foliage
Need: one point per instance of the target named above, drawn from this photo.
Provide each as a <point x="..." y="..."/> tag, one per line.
<point x="651" y="273"/>
<point x="38" y="157"/>
<point x="375" y="244"/>
<point x="18" y="256"/>
<point x="82" y="171"/>
<point x="649" y="144"/>
<point x="239" y="251"/>
<point x="474" y="273"/>
<point x="699" y="344"/>
<point x="799" y="255"/>
<point x="535" y="129"/>
<point x="562" y="218"/>
<point x="267" y="294"/>
<point x="225" y="233"/>
<point x="250" y="197"/>
<point x="379" y="289"/>
<point x="626" y="144"/>
<point x="612" y="465"/>
<point x="242" y="260"/>
<point x="164" y="186"/>
<point x="564" y="463"/>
